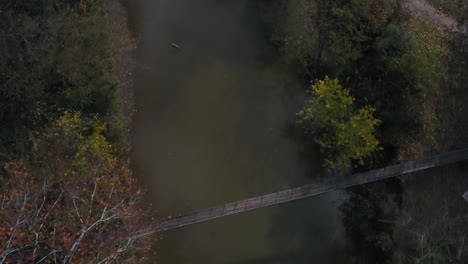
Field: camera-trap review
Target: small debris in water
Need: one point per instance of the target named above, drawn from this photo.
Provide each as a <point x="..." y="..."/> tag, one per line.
<point x="175" y="46"/>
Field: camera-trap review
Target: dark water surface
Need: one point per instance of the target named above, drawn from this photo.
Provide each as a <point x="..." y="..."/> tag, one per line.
<point x="211" y="128"/>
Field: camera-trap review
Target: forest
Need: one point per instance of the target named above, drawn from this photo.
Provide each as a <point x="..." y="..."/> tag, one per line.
<point x="386" y="81"/>
<point x="67" y="192"/>
<point x="410" y="72"/>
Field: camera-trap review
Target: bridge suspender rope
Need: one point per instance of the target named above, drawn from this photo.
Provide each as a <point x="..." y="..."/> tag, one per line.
<point x="310" y="190"/>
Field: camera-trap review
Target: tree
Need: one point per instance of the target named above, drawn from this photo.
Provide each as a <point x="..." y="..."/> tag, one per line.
<point x="329" y="35"/>
<point x="342" y="132"/>
<point x="72" y="201"/>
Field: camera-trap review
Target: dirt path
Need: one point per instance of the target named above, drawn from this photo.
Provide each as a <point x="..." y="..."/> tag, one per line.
<point x="425" y="11"/>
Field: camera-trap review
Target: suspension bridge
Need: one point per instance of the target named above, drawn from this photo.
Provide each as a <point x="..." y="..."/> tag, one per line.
<point x="310" y="190"/>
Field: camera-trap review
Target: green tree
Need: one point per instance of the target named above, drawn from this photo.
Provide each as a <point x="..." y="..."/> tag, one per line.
<point x="342" y="132"/>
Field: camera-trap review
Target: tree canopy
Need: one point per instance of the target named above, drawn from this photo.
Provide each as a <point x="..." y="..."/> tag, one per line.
<point x="76" y="203"/>
<point x="343" y="132"/>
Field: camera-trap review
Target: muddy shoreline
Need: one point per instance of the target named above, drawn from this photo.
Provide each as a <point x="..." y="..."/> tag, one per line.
<point x="123" y="45"/>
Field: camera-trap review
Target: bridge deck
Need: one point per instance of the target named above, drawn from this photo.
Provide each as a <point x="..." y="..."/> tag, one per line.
<point x="310" y="190"/>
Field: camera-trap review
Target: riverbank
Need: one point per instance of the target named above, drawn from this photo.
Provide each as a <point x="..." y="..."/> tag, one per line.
<point x="67" y="102"/>
<point x="413" y="74"/>
<point x="123" y="44"/>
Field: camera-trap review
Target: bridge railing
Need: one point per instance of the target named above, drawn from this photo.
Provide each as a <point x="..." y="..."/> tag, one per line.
<point x="311" y="190"/>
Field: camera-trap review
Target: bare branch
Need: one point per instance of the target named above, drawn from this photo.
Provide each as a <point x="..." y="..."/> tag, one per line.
<point x="94" y="193"/>
<point x="76" y="209"/>
<point x="50" y="253"/>
<point x="18" y="221"/>
<point x="43" y="198"/>
<point x="53" y="206"/>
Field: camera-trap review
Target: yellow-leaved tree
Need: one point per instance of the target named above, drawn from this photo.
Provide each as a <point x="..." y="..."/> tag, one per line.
<point x="343" y="132"/>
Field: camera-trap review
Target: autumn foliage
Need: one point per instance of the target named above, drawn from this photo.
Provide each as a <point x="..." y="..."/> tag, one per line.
<point x="66" y="194"/>
<point x="72" y="201"/>
<point x="343" y="132"/>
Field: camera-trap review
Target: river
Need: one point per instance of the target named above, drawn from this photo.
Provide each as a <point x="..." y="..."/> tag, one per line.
<point x="213" y="126"/>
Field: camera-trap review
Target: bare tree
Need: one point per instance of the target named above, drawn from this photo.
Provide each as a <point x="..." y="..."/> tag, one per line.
<point x="93" y="219"/>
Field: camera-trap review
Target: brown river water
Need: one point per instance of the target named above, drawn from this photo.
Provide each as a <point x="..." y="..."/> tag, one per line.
<point x="212" y="127"/>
